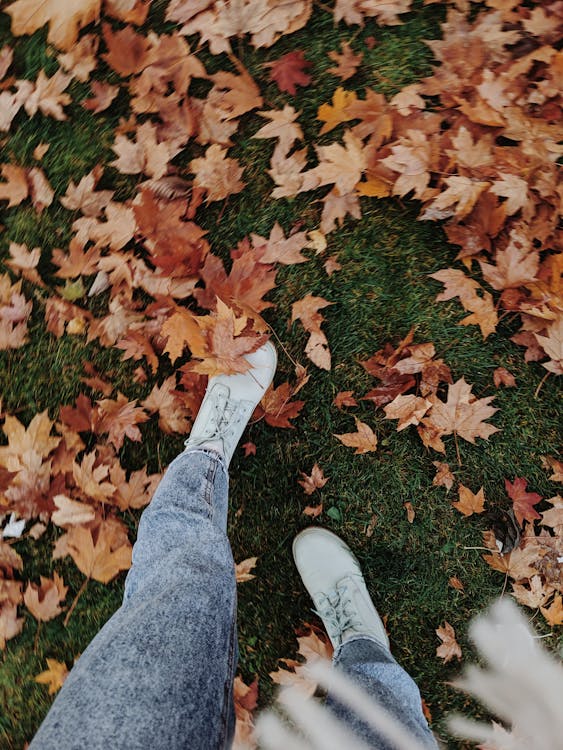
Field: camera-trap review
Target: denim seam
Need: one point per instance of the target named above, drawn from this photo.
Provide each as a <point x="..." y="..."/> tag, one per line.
<point x="208" y="493"/>
<point x="231" y="667"/>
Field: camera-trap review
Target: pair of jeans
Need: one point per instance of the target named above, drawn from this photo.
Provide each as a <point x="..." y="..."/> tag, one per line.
<point x="159" y="674"/>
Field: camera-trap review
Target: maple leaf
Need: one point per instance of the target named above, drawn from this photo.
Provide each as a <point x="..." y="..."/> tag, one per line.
<point x="554" y="613"/>
<point x="48" y="97"/>
<point x="10" y="624"/>
<point x="314" y="646"/>
<point x="338" y="165"/>
<point x="245" y="286"/>
<point x="407" y="409"/>
<point x="245" y="698"/>
<point x="71" y="513"/>
<point x="552" y="344"/>
<point x="444" y="476"/>
<point x="100" y="552"/>
<point x="128" y="52"/>
<point x="23" y="261"/>
<point x="84" y="198"/>
<point x="315" y="481"/>
<point x="22" y="442"/>
<point x="336" y="113"/>
<point x="90" y="478"/>
<point x="81" y="59"/>
<point x="277" y="408"/>
<point x="307" y="311"/>
<point x="363" y="440"/>
<point x="103" y="96"/>
<point x="288" y="71"/>
<point x="172" y="415"/>
<point x="449" y="649"/>
<point x="217" y="174"/>
<point x="54" y="676"/>
<point x="215" y="339"/>
<point x="147" y="154"/>
<point x="346" y="62"/>
<point x="15" y="189"/>
<point x="43" y="601"/>
<point x="344" y="398"/>
<point x="516" y="265"/>
<point x="523" y="501"/>
<point x="462" y="414"/>
<point x="501" y="376"/>
<point x="514" y="189"/>
<point x="410" y="156"/>
<point x="282" y="126"/>
<point x="469" y="502"/>
<point x="243" y="570"/>
<point x="533" y="597"/>
<point x="65" y="20"/>
<point x="119" y="418"/>
<point x="278" y="249"/>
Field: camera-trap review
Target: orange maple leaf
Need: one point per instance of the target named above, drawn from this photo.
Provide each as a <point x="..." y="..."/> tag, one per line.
<point x="363" y="440"/>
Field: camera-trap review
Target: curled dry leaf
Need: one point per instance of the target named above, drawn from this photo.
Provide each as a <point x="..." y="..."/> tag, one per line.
<point x="449" y="649"/>
<point x="243" y="570"/>
<point x="307" y="311"/>
<point x="315" y="481"/>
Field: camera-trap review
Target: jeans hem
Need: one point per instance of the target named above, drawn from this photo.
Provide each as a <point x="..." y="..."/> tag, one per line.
<point x="353" y="639"/>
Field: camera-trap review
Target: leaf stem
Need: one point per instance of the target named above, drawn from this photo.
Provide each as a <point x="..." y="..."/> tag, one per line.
<point x="75" y="601"/>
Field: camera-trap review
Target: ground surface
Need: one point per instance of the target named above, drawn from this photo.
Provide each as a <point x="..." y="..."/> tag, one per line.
<point x="382" y="291"/>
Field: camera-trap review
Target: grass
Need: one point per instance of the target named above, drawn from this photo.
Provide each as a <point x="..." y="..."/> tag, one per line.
<point x="382" y="290"/>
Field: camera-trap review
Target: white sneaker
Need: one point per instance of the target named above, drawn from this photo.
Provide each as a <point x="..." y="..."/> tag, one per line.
<point x="229" y="402"/>
<point x="333" y="578"/>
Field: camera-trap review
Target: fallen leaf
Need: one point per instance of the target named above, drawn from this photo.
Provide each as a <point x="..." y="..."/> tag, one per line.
<point x="10" y="624"/>
<point x="364" y="439"/>
<point x="501" y="376"/>
<point x="288" y="71"/>
<point x="335" y="114"/>
<point x="554" y="613"/>
<point x="407" y="409"/>
<point x="410" y="511"/>
<point x="522" y="501"/>
<point x="307" y="311"/>
<point x="469" y="502"/>
<point x="71" y="513"/>
<point x="65" y="21"/>
<point x="43" y="601"/>
<point x="54" y="676"/>
<point x="243" y="570"/>
<point x="103" y="96"/>
<point x="443" y="476"/>
<point x="276" y="406"/>
<point x="346" y="62"/>
<point x="15" y="189"/>
<point x="217" y="174"/>
<point x="249" y="449"/>
<point x="344" y="398"/>
<point x="99" y="553"/>
<point x="315" y="481"/>
<point x="449" y="649"/>
<point x="455" y="583"/>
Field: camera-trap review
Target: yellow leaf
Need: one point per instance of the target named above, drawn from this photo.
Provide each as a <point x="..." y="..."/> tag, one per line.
<point x="54" y="676"/>
<point x="333" y="114"/>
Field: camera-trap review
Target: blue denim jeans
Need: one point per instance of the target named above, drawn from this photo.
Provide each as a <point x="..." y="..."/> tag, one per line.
<point x="159" y="674"/>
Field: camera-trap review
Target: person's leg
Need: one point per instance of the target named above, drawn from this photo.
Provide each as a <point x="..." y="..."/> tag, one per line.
<point x="370" y="665"/>
<point x="159" y="674"/>
<point x="333" y="578"/>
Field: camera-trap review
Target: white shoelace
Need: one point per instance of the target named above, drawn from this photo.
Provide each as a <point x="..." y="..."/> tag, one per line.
<point x="338" y="611"/>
